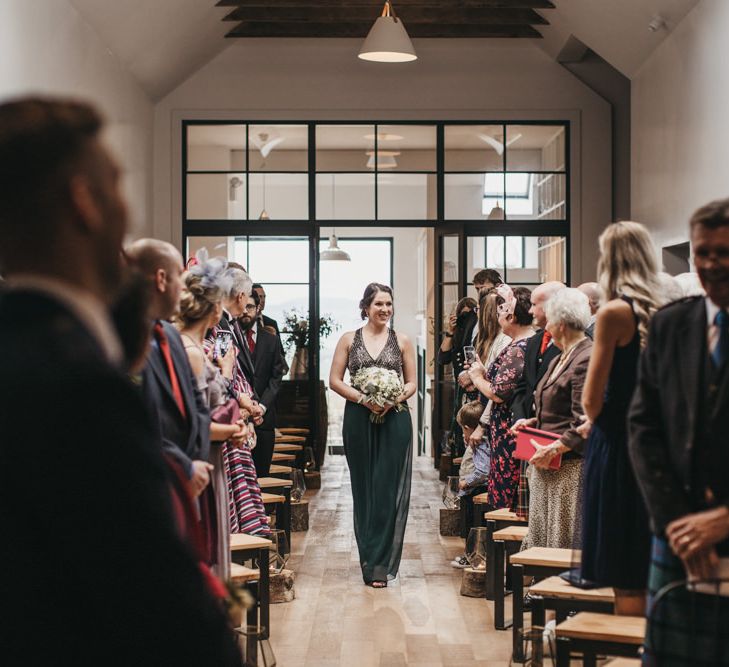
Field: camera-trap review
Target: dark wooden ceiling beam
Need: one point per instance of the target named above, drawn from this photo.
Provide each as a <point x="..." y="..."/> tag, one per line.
<point x="409" y="14"/>
<point x="360" y="29"/>
<point x="397" y="4"/>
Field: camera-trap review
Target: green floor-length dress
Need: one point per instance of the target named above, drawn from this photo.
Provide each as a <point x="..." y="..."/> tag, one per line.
<point x="380" y="466"/>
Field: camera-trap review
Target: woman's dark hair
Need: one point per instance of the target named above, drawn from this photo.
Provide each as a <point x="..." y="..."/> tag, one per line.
<point x="465" y="302"/>
<point x="523" y="304"/>
<point x="369" y="296"/>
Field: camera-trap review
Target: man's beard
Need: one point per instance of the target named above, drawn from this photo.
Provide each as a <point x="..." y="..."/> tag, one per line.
<point x="246" y="322"/>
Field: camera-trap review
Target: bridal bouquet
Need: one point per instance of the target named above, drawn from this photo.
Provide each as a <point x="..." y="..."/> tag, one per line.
<point x="382" y="387"/>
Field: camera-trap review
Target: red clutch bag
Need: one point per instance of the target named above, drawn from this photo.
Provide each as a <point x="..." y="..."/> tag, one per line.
<point x="525" y="448"/>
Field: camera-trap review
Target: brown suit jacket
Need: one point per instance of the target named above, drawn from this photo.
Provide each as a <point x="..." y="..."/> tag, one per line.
<point x="559" y="399"/>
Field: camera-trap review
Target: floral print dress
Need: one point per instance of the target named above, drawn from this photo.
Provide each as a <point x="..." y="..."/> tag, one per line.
<point x="503" y="375"/>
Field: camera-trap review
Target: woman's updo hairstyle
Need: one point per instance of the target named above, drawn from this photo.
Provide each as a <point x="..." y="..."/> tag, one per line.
<point x="203" y="289"/>
<point x="521" y="308"/>
<point x="369" y="296"/>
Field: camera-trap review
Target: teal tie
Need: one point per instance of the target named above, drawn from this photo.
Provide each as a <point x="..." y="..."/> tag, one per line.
<point x="721" y="351"/>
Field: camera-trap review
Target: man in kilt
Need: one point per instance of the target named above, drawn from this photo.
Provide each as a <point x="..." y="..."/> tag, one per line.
<point x="679" y="447"/>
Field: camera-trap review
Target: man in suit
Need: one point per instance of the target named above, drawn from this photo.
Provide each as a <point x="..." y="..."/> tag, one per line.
<point x="85" y="509"/>
<point x="594" y="296"/>
<point x="538" y="354"/>
<point x="269" y="369"/>
<point x="267" y="321"/>
<point x="678" y="445"/>
<point x="168" y="384"/>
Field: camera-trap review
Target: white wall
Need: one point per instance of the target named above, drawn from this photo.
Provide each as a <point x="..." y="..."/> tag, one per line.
<point x="46" y="47"/>
<point x="272" y="80"/>
<point x="680" y="130"/>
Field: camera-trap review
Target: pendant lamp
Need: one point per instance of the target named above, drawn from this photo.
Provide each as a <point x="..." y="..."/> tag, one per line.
<point x="264" y="213"/>
<point x="334" y="253"/>
<point x="497" y="213"/>
<point x="388" y="41"/>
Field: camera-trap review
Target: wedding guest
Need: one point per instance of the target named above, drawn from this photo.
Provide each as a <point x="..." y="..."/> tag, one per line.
<point x="677" y="428"/>
<point x="615" y="534"/>
<point x="497" y="384"/>
<point x="554" y="494"/>
<point x="486" y="279"/>
<point x="266" y="321"/>
<point x="594" y="295"/>
<point x="82" y="471"/>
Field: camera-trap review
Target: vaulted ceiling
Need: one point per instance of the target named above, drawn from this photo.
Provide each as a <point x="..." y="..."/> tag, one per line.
<point x="163" y="42"/>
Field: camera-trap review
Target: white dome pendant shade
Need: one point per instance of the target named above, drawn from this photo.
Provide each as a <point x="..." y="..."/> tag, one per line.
<point x="334" y="253"/>
<point x="387" y="41"/>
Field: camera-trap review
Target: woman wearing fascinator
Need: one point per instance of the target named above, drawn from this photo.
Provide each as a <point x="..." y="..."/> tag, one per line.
<point x="496" y="385"/>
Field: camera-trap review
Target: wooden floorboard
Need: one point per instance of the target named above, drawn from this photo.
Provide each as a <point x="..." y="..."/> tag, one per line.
<point x="420" y="619"/>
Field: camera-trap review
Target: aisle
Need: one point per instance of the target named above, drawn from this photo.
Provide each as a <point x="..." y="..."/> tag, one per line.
<point x="420" y="619"/>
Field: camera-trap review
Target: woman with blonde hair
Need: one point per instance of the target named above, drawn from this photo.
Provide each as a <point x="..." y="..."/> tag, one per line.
<point x="615" y="530"/>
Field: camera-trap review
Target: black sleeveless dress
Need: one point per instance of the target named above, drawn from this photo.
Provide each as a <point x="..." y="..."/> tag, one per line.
<point x="380" y="466"/>
<point x="615" y="529"/>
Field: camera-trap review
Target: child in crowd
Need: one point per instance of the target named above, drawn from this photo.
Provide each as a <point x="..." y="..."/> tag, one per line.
<point x="474" y="471"/>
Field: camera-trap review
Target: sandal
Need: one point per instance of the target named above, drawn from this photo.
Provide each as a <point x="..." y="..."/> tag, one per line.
<point x="378" y="584"/>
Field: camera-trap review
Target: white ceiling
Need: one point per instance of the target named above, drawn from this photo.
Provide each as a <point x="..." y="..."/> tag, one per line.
<point x="617" y="30"/>
<point x="163" y="42"/>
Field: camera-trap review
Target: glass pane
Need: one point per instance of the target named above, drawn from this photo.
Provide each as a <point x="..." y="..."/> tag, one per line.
<point x="535" y="148"/>
<point x="450" y="301"/>
<point x="535" y="196"/>
<point x="278" y="147"/>
<point x="216" y="147"/>
<point x="344" y="147"/>
<point x="406" y="196"/>
<point x="474" y="147"/>
<point x="345" y="196"/>
<point x="282" y="300"/>
<point x="275" y="259"/>
<point x="551" y="258"/>
<point x="217" y="246"/>
<point x="464" y="197"/>
<point x="450" y="258"/>
<point x="216" y="196"/>
<point x="282" y="196"/>
<point x="406" y="147"/>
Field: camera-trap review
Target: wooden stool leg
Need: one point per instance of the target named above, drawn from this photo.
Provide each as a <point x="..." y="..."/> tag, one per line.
<point x="517" y="604"/>
<point x="490" y="565"/>
<point x="563" y="652"/>
<point x="539" y="617"/>
<point x="499" y="586"/>
<point x="252" y="621"/>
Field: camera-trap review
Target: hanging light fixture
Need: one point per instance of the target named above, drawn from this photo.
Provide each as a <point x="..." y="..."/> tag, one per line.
<point x="264" y="213"/>
<point x="497" y="213"/>
<point x="387" y="40"/>
<point x="334" y="253"/>
<point x="385" y="159"/>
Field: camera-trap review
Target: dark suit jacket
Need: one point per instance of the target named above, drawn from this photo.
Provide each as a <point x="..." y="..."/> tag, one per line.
<point x="186" y="439"/>
<point x="522" y="403"/>
<point x="559" y="400"/>
<point x="244" y="357"/>
<point x="85" y="516"/>
<point x="664" y="422"/>
<point x="269" y="369"/>
<point x="460" y="340"/>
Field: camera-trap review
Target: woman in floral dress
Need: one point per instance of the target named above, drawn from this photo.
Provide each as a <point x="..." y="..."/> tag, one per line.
<point x="497" y="384"/>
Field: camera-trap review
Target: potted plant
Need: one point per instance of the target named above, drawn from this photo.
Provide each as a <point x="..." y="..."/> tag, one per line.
<point x="296" y="325"/>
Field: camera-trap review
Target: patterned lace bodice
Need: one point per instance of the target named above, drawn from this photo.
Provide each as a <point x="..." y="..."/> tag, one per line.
<point x="359" y="357"/>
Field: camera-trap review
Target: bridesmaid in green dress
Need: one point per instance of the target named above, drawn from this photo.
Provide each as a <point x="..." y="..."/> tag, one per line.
<point x="379" y="455"/>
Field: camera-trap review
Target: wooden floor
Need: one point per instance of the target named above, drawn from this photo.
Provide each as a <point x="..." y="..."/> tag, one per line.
<point x="420" y="619"/>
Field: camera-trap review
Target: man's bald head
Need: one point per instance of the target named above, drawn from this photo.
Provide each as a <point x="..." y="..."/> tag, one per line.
<point x="539" y="298"/>
<point x="162" y="263"/>
<point x="593" y="294"/>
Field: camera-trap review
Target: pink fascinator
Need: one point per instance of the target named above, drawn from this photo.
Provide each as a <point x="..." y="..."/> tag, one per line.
<point x="507" y="294"/>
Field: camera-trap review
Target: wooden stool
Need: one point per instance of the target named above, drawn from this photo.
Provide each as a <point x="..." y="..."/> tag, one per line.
<point x="300" y="516"/>
<point x="450" y="522"/>
<point x="479" y="501"/>
<point x="282" y="586"/>
<point x="287" y="448"/>
<point x="280" y="471"/>
<point x="599" y="634"/>
<point x="445" y="466"/>
<point x="495" y="520"/>
<point x="312" y="479"/>
<point x="499" y="545"/>
<point x="281" y="503"/>
<point x="290" y="439"/>
<point x="623" y="662"/>
<point x="562" y="597"/>
<point x="293" y="431"/>
<point x="473" y="582"/>
<point x="455" y="466"/>
<point x="283" y="458"/>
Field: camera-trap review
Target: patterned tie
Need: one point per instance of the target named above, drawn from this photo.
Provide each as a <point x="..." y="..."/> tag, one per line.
<point x="251" y="340"/>
<point x="721" y="349"/>
<point x="546" y="340"/>
<point x="164" y="346"/>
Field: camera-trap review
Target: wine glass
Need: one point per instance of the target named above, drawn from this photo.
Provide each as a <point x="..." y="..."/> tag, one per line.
<point x="476" y="548"/>
<point x="450" y="494"/>
<point x="298" y="488"/>
<point x="279" y="554"/>
<point x="309" y="459"/>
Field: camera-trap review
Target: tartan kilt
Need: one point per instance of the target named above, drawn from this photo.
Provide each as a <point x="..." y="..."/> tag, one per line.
<point x="522" y="493"/>
<point x="685" y="629"/>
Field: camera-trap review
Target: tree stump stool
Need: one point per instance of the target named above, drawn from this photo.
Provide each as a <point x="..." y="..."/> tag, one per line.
<point x="281" y="586"/>
<point x="446" y="460"/>
<point x="450" y="522"/>
<point x="312" y="479"/>
<point x="300" y="516"/>
<point x="473" y="583"/>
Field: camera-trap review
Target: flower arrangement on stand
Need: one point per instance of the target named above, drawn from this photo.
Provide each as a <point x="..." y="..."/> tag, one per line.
<point x="296" y="325"/>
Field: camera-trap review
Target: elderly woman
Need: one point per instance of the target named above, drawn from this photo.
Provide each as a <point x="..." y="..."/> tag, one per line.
<point x="553" y="501"/>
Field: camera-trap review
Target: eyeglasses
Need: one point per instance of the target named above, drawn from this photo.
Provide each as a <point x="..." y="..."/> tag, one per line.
<point x="251" y="306"/>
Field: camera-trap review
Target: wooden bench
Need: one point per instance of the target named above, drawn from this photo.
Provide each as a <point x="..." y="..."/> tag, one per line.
<point x="599" y="634"/>
<point x="500" y="544"/>
<point x="279" y="470"/>
<point x="624" y="662"/>
<point x="281" y="458"/>
<point x="240" y="574"/>
<point x="291" y="439"/>
<point x="274" y="483"/>
<point x="556" y="594"/>
<point x="286" y="447"/>
<point x="494" y="520"/>
<point x="249" y="547"/>
<point x="282" y="507"/>
<point x="288" y="430"/>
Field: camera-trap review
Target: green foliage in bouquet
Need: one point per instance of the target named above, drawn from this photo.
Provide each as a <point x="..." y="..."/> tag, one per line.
<point x="296" y="324"/>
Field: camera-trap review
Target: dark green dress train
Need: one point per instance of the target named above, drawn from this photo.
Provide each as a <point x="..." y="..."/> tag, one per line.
<point x="380" y="465"/>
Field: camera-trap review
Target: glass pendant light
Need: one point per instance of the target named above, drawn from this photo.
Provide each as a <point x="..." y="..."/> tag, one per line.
<point x="264" y="214"/>
<point x="334" y="253"/>
<point x="388" y="41"/>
